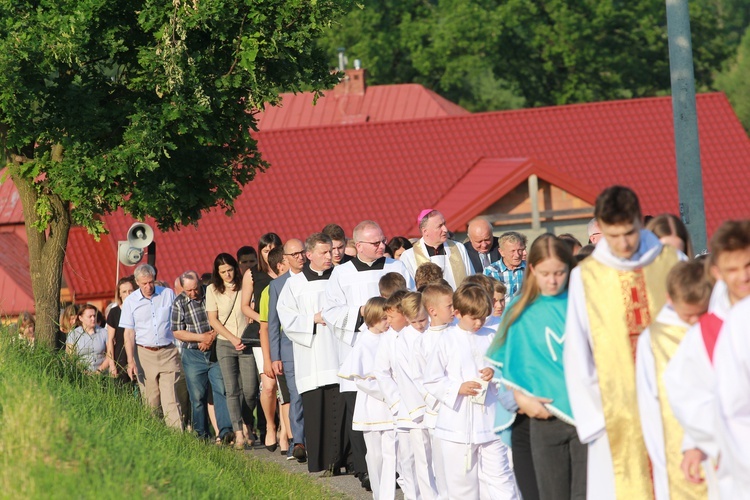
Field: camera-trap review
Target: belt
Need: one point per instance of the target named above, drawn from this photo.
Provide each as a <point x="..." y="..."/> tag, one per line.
<point x="190" y="345"/>
<point x="157" y="348"/>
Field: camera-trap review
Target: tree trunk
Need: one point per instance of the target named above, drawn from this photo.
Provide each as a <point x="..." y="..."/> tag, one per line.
<point x="46" y="256"/>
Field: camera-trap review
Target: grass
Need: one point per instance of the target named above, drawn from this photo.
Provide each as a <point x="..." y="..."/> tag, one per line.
<point x="70" y="435"/>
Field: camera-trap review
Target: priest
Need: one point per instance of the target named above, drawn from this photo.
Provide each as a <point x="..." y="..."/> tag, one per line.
<point x="316" y="362"/>
<point x="434" y="246"/>
<point x="350" y="286"/>
<point x="614" y="296"/>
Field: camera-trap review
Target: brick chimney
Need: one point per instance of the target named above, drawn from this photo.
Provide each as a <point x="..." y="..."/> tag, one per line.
<point x="353" y="83"/>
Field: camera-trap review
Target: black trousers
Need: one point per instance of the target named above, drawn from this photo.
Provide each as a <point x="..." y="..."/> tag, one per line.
<point x="324" y="410"/>
<point x="559" y="459"/>
<point x="356" y="448"/>
<point x="523" y="463"/>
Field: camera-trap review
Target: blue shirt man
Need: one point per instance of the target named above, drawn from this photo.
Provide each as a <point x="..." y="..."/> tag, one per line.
<point x="146" y="318"/>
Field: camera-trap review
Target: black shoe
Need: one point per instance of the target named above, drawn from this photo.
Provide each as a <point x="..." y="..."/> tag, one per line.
<point x="365" y="478"/>
<point x="299" y="453"/>
<point x="331" y="472"/>
<point x="227" y="438"/>
<point x="272" y="447"/>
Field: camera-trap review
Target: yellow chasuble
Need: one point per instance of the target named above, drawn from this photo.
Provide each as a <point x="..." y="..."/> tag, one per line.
<point x="620" y="305"/>
<point x="665" y="339"/>
<point x="457" y="265"/>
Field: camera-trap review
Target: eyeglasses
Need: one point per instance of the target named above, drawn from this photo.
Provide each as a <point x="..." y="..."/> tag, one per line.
<point x="376" y="244"/>
<point x="296" y="255"/>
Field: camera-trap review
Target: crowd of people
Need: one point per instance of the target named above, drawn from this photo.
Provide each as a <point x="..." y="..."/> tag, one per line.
<point x="619" y="368"/>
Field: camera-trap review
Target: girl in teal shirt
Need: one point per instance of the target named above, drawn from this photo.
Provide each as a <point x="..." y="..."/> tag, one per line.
<point x="528" y="351"/>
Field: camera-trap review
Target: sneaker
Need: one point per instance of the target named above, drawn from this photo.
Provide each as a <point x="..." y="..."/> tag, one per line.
<point x="299" y="453"/>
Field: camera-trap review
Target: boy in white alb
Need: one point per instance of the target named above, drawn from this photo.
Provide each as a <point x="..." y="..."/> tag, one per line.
<point x="371" y="413"/>
<point x="688" y="291"/>
<point x="438" y="300"/>
<point x="732" y="362"/>
<point x="690" y="377"/>
<point x="401" y="395"/>
<point x="414" y="405"/>
<point x="475" y="463"/>
<point x="733" y="380"/>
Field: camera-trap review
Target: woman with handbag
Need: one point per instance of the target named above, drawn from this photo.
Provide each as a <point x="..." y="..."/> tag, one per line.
<point x="223" y="299"/>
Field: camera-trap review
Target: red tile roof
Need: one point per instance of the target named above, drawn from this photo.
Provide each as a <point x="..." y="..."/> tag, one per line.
<point x="378" y="103"/>
<point x="389" y="171"/>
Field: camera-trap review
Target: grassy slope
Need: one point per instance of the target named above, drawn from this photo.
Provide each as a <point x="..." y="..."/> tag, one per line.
<point x="65" y="435"/>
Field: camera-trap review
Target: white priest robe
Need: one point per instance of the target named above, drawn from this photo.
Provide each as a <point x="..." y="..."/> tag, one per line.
<point x="316" y="362"/>
<point x="690" y="381"/>
<point x="580" y="370"/>
<point x="410" y="261"/>
<point x="732" y="364"/>
<point x="350" y="286"/>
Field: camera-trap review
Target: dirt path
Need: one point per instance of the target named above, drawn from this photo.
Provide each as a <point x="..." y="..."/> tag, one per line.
<point x="346" y="485"/>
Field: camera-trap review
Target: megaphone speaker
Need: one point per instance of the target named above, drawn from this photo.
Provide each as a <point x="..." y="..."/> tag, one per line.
<point x="128" y="255"/>
<point x="140" y="235"/>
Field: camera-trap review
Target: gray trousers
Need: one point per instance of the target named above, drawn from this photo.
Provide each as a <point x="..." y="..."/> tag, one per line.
<point x="559" y="460"/>
<point x="240" y="377"/>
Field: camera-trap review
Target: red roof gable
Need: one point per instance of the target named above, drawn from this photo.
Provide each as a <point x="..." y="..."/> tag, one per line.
<point x="491" y="179"/>
<point x="378" y="103"/>
<point x="389" y="171"/>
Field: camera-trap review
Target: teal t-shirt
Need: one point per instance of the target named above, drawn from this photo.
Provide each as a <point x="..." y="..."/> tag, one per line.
<point x="531" y="358"/>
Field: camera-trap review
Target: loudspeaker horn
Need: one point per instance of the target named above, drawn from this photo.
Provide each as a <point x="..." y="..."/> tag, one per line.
<point x="140" y="235"/>
<point x="127" y="254"/>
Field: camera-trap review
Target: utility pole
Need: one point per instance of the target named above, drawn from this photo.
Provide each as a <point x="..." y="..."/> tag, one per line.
<point x="687" y="147"/>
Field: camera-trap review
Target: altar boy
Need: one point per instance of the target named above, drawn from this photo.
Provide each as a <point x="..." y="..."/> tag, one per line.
<point x="688" y="291"/>
<point x="371" y="413"/>
<point x="459" y="377"/>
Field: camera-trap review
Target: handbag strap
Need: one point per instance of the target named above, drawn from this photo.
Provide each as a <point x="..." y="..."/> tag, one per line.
<point x="224" y="323"/>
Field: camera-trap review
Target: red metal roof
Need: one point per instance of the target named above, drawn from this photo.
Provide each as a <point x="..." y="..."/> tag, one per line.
<point x="90" y="266"/>
<point x="378" y="103"/>
<point x="16" y="295"/>
<point x="10" y="202"/>
<point x="389" y="171"/>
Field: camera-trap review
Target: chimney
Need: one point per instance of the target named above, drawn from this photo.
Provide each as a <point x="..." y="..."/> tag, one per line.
<point x="353" y="82"/>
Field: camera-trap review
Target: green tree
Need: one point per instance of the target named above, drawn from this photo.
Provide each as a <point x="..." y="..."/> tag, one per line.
<point x="506" y="53"/>
<point x="143" y="105"/>
<point x="376" y="32"/>
<point x="735" y="81"/>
